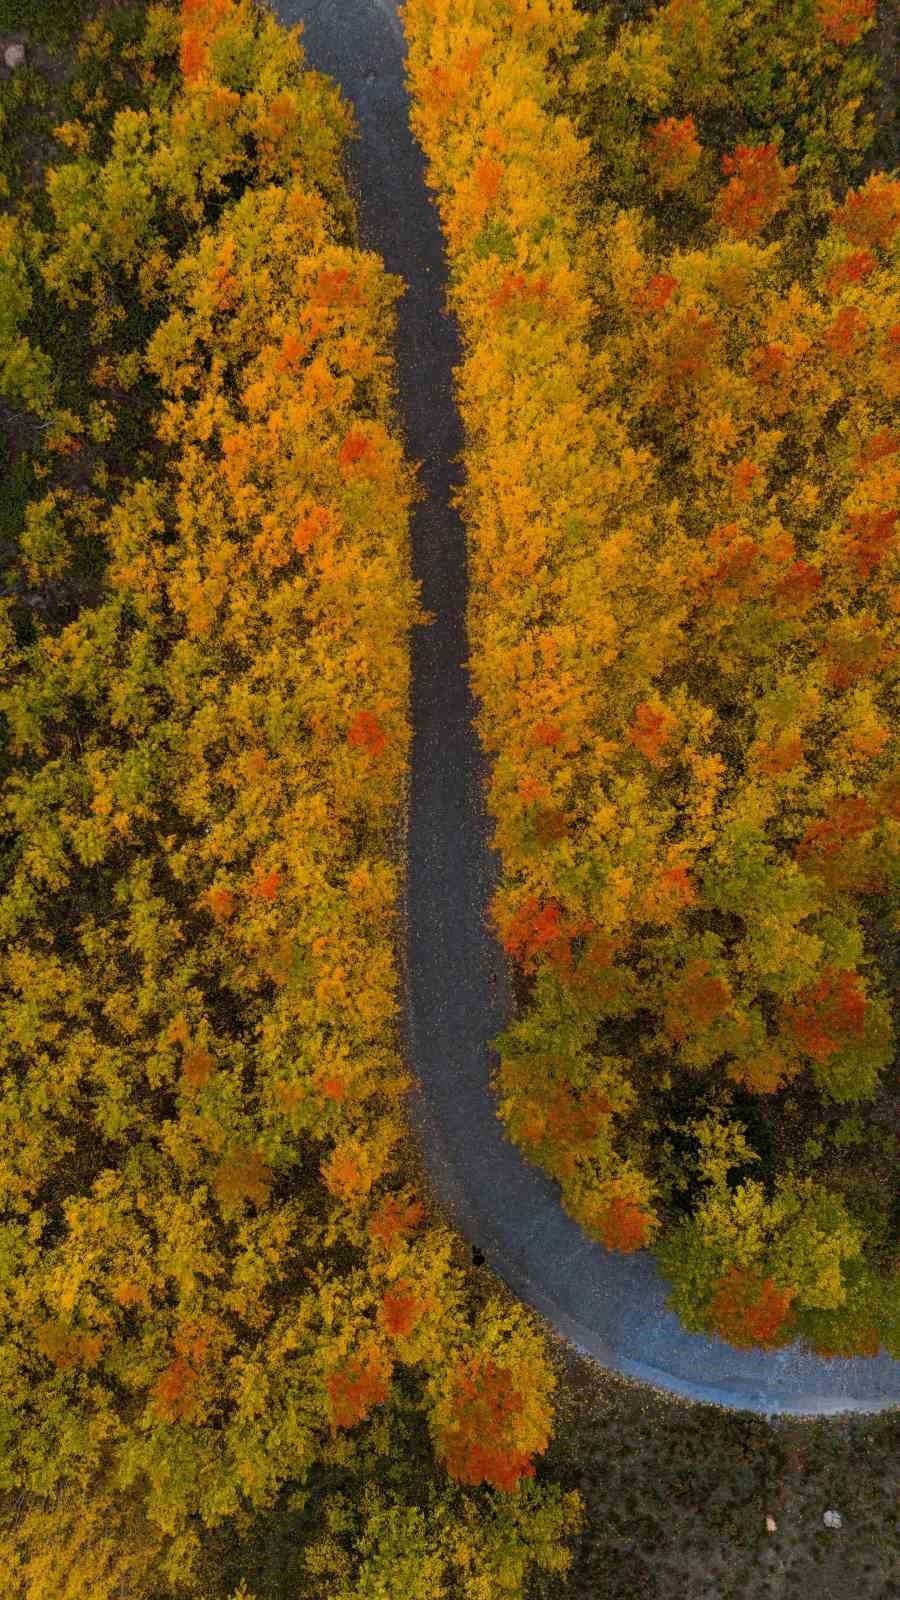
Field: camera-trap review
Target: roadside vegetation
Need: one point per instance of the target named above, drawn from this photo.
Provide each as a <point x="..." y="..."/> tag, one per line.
<point x="675" y="271"/>
<point x="227" y="1314"/>
<point x="241" y="1355"/>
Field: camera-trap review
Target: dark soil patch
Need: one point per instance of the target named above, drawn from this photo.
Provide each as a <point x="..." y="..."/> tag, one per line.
<point x="676" y="1497"/>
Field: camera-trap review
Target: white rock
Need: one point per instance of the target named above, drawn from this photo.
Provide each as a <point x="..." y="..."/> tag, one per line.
<point x="14" y="55"/>
<point x="832" y="1519"/>
<point x="771" y="1524"/>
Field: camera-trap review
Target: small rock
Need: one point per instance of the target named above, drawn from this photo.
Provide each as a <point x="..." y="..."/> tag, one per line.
<point x="832" y="1519"/>
<point x="14" y="55"/>
<point x="771" y="1524"/>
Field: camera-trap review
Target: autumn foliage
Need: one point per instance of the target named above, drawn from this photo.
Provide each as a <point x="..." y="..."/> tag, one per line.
<point x="217" y="1277"/>
<point x="757" y="190"/>
<point x="679" y="307"/>
<point x="485" y="1403"/>
<point x="493" y="1416"/>
<point x="749" y="1312"/>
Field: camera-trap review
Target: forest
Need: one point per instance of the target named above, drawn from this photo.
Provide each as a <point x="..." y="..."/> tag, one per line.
<point x="243" y="1355"/>
<point x="215" y="1262"/>
<point x="684" y="627"/>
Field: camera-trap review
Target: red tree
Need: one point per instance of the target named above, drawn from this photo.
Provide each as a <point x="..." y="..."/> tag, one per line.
<point x="870" y="215"/>
<point x="478" y="1445"/>
<point x="758" y="190"/>
<point x="366" y="733"/>
<point x="673" y="151"/>
<point x="829" y="1014"/>
<point x="843" y="21"/>
<point x="749" y="1310"/>
<point x="624" y="1224"/>
<point x="357" y="1385"/>
<point x="393" y="1219"/>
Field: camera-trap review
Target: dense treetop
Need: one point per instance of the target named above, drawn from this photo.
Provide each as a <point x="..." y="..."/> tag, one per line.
<point x="220" y="1290"/>
<point x="678" y="290"/>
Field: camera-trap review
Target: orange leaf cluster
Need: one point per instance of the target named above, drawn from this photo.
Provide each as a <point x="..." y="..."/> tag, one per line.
<point x="829" y="1015"/>
<point x="477" y="1446"/>
<point x="366" y="733"/>
<point x="624" y="1224"/>
<point x="758" y="190"/>
<point x="844" y="21"/>
<point x="749" y="1311"/>
<point x="673" y="150"/>
<point x="358" y="1385"/>
<point x="870" y="216"/>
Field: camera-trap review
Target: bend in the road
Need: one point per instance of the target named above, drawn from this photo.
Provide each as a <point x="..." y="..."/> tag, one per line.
<point x="610" y="1306"/>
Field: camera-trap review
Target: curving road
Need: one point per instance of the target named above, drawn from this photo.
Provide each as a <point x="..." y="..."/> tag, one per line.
<point x="610" y="1306"/>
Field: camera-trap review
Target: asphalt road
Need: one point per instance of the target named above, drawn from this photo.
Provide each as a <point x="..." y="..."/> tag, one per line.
<point x="610" y="1306"/>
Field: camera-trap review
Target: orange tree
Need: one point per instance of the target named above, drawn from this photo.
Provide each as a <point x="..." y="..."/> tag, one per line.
<point x="217" y="1278"/>
<point x="680" y="360"/>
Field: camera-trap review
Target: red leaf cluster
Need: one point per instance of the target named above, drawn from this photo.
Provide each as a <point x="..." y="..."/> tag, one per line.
<point x="758" y="189"/>
<point x="356" y="1387"/>
<point x="488" y="174"/>
<point x="854" y="268"/>
<point x="539" y="929"/>
<point x="828" y="1015"/>
<point x="243" y="1175"/>
<point x="843" y="21"/>
<point x="336" y="287"/>
<point x="650" y="730"/>
<point x="174" y="1395"/>
<point x="882" y="444"/>
<point x="357" y="450"/>
<point x="366" y="733"/>
<point x="846" y="334"/>
<point x="516" y="289"/>
<point x="221" y="903"/>
<point x="266" y="885"/>
<point x="673" y="150"/>
<point x="401" y="1309"/>
<point x="795" y="590"/>
<point x="393" y="1219"/>
<point x="870" y="216"/>
<point x="688" y="345"/>
<point x="748" y="1310"/>
<point x="768" y="362"/>
<point x="737" y="575"/>
<point x="624" y="1224"/>
<point x="477" y="1446"/>
<point x="546" y="735"/>
<point x="656" y="292"/>
<point x="68" y="1347"/>
<point x="745" y="480"/>
<point x="870" y="536"/>
<point x="848" y="820"/>
<point x="197" y="1064"/>
<point x="698" y="998"/>
<point x="572" y="1121"/>
<point x="780" y="757"/>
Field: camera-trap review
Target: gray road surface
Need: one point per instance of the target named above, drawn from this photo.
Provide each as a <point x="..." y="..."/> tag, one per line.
<point x="610" y="1306"/>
